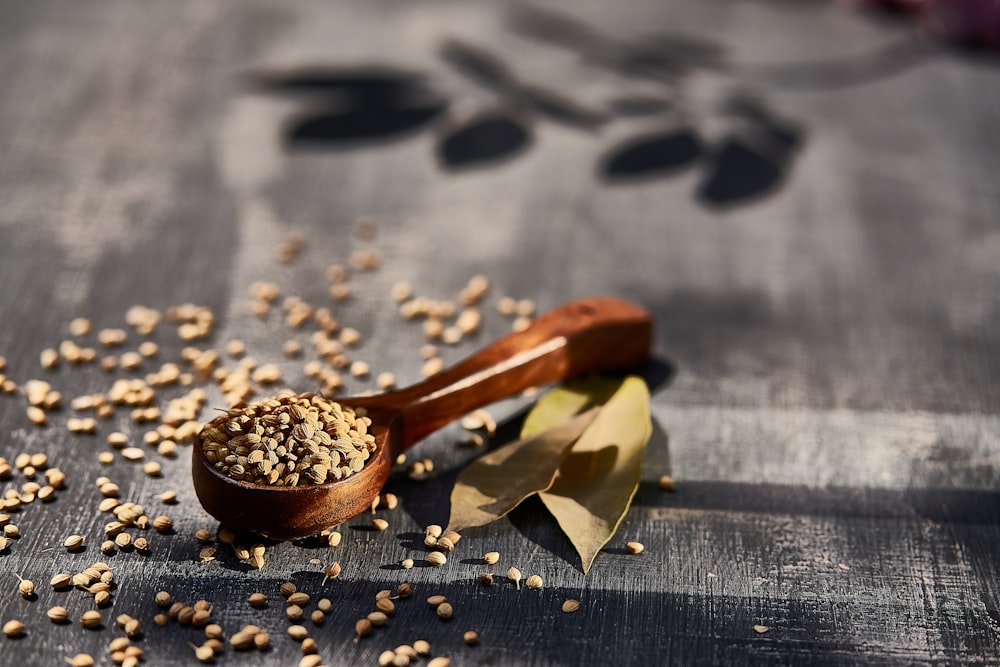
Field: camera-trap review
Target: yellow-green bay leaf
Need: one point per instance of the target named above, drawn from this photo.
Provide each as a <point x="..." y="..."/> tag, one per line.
<point x="561" y="403"/>
<point x="597" y="480"/>
<point x="495" y="483"/>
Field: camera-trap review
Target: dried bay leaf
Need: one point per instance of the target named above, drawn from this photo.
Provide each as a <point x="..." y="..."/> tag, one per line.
<point x="495" y="483"/>
<point x="597" y="480"/>
<point x="562" y="403"/>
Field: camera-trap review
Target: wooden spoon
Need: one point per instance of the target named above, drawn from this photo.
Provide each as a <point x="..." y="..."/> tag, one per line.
<point x="584" y="336"/>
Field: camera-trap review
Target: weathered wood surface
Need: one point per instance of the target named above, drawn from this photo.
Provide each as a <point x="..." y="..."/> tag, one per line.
<point x="827" y="319"/>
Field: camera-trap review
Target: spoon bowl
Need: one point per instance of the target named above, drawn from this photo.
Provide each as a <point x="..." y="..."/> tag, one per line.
<point x="581" y="337"/>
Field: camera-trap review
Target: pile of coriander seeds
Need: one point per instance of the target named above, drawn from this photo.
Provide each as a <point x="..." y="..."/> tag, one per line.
<point x="289" y="440"/>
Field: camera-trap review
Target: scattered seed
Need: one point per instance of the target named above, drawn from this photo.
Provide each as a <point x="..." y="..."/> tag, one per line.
<point x="25" y="587"/>
<point x="471" y="637"/>
<point x="331" y="571"/>
<point x="91" y="619"/>
<point x="362" y="628"/>
<point x="491" y="557"/>
<point x="163" y="599"/>
<point x="486" y="578"/>
<point x="81" y="660"/>
<point x="634" y="547"/>
<point x="257" y="600"/>
<point x="13" y="629"/>
<point x="514" y="575"/>
<point x="57" y="614"/>
<point x="666" y="483"/>
<point x="299" y="598"/>
<point x="386" y="606"/>
<point x="293" y="612"/>
<point x="760" y="629"/>
<point x="444" y="610"/>
<point x="378" y="618"/>
<point x="570" y="606"/>
<point x="533" y="582"/>
<point x="436" y="600"/>
<point x="436" y="558"/>
<point x="73" y="542"/>
<point x="380" y="524"/>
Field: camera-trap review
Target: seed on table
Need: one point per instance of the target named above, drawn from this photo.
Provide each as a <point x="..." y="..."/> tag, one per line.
<point x="102" y="598"/>
<point x="108" y="504"/>
<point x="109" y="490"/>
<point x="298" y="632"/>
<point x="384" y="593"/>
<point x="13" y="629"/>
<point x="311" y="660"/>
<point x="634" y="547"/>
<point x="57" y="614"/>
<point x="317" y="617"/>
<point x="26" y="587"/>
<point x="471" y="637"/>
<point x="287" y="588"/>
<point x="123" y="540"/>
<point x="445" y="544"/>
<point x="203" y="653"/>
<point x="444" y="611"/>
<point x="299" y="598"/>
<point x="203" y="536"/>
<point x="293" y="612"/>
<point x="262" y="641"/>
<point x="436" y="600"/>
<point x="36" y="415"/>
<point x="91" y="619"/>
<point x="73" y="542"/>
<point x="334" y="538"/>
<point x="162" y="599"/>
<point x="386" y="658"/>
<point x="308" y="646"/>
<point x="436" y="558"/>
<point x="133" y="453"/>
<point x="80" y="660"/>
<point x="11" y="530"/>
<point x="406" y="563"/>
<point x="486" y="578"/>
<point x="362" y="628"/>
<point x="514" y="575"/>
<point x="533" y="582"/>
<point x="105" y="458"/>
<point x="378" y="618"/>
<point x="570" y="606"/>
<point x="331" y="571"/>
<point x="108" y="547"/>
<point x="257" y="600"/>
<point x="666" y="483"/>
<point x="386" y="606"/>
<point x="168" y="497"/>
<point x="760" y="629"/>
<point x="491" y="557"/>
<point x="152" y="468"/>
<point x="242" y="640"/>
<point x="163" y="524"/>
<point x="133" y="628"/>
<point x="380" y="524"/>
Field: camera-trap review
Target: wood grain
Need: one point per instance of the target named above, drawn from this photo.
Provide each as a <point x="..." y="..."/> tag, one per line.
<point x="825" y="392"/>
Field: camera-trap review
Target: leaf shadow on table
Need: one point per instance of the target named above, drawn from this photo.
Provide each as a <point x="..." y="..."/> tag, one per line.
<point x="352" y="106"/>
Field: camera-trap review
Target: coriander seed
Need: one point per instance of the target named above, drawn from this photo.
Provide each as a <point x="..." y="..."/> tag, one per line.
<point x="91" y="619"/>
<point x="60" y="581"/>
<point x="331" y="571"/>
<point x="378" y="618"/>
<point x="299" y="598"/>
<point x="380" y="524"/>
<point x="514" y="575"/>
<point x="406" y="563"/>
<point x="73" y="542"/>
<point x="570" y="606"/>
<point x="287" y="588"/>
<point x="436" y="558"/>
<point x="58" y="614"/>
<point x="257" y="600"/>
<point x="362" y="628"/>
<point x="666" y="483"/>
<point x="436" y="600"/>
<point x="444" y="611"/>
<point x="471" y="637"/>
<point x="634" y="547"/>
<point x="533" y="582"/>
<point x="13" y="629"/>
<point x="491" y="557"/>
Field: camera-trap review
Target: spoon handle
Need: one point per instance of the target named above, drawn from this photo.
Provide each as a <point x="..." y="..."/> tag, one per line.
<point x="580" y="337"/>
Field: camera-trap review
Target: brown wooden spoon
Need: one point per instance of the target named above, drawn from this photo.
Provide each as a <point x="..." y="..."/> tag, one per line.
<point x="584" y="336"/>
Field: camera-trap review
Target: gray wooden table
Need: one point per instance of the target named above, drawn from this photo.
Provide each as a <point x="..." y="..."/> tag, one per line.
<point x="805" y="198"/>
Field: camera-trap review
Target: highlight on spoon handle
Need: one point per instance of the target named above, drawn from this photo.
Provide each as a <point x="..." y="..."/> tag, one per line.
<point x="584" y="336"/>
